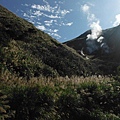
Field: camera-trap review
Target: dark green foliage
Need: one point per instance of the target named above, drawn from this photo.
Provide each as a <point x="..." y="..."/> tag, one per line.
<point x="103" y="97"/>
<point x="66" y="104"/>
<point x="29" y="53"/>
<point x="31" y="103"/>
<point x="96" y="100"/>
<point x="5" y="112"/>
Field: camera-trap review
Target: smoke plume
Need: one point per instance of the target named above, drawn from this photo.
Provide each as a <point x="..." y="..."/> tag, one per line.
<point x="91" y="40"/>
<point x="94" y="40"/>
<point x="96" y="31"/>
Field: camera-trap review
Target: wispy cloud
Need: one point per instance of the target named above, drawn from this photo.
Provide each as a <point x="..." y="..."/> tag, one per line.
<point x="96" y="30"/>
<point x="55" y="35"/>
<point x="93" y="22"/>
<point x="44" y="8"/>
<point x="85" y="8"/>
<point x="117" y="21"/>
<point x="41" y="27"/>
<point x="50" y="22"/>
<point x="47" y="17"/>
<point x="69" y="24"/>
<point x="90" y="16"/>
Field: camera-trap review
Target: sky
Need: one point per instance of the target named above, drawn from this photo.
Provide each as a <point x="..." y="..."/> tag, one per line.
<point x="67" y="19"/>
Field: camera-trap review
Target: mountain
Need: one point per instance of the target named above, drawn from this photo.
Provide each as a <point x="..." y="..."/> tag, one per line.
<point x="109" y="38"/>
<point x="29" y="52"/>
<point x="104" y="50"/>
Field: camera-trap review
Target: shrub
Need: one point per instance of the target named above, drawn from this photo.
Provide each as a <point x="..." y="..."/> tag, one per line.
<point x="31" y="103"/>
<point x="4" y="107"/>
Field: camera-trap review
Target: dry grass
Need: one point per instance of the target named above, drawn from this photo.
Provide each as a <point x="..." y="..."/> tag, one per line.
<point x="10" y="79"/>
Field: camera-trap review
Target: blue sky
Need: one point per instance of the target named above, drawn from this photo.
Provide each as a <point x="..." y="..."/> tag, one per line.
<point x="67" y="19"/>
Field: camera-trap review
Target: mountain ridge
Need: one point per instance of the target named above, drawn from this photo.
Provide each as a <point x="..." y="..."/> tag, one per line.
<point x="29" y="52"/>
<point x="109" y="36"/>
<point x="106" y="48"/>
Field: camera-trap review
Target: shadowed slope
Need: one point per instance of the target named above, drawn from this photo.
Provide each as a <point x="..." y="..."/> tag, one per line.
<point x="107" y="62"/>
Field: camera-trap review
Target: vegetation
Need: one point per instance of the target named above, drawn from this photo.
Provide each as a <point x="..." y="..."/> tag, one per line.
<point x="5" y="111"/>
<point x="31" y="86"/>
<point x="96" y="98"/>
<point x="29" y="52"/>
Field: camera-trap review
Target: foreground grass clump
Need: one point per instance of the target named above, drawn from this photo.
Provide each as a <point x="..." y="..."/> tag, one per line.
<point x="75" y="98"/>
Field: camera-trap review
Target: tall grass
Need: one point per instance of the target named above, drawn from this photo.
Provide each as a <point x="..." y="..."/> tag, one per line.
<point x="62" y="98"/>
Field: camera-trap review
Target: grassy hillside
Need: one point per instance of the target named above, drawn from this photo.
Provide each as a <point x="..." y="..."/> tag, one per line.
<point x="39" y="77"/>
<point x="29" y="52"/>
<point x="75" y="98"/>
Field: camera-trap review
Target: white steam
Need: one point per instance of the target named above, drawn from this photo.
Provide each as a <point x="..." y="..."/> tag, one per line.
<point x="94" y="40"/>
<point x="96" y="31"/>
<point x="85" y="8"/>
<point x="117" y="21"/>
<point x="105" y="48"/>
<point x="100" y="39"/>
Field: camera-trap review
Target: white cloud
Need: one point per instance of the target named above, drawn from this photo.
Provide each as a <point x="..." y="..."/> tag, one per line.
<point x="52" y="31"/>
<point x="85" y="8"/>
<point x="41" y="27"/>
<point x="96" y="26"/>
<point x="93" y="22"/>
<point x="64" y="12"/>
<point x="96" y="31"/>
<point x="55" y="35"/>
<point x="47" y="17"/>
<point x="27" y="5"/>
<point x="43" y="7"/>
<point x="59" y="2"/>
<point x="52" y="16"/>
<point x="45" y="1"/>
<point x="64" y="24"/>
<point x="117" y="21"/>
<point x="38" y="23"/>
<point x="91" y="17"/>
<point x="54" y="10"/>
<point x="37" y="13"/>
<point x="50" y="22"/>
<point x="69" y="24"/>
<point x="55" y="30"/>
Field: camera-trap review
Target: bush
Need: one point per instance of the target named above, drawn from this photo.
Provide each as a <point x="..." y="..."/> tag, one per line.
<point x="5" y="107"/>
<point x="62" y="98"/>
<point x="31" y="103"/>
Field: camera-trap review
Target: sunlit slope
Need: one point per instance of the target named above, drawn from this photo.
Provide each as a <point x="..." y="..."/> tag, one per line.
<point x="29" y="52"/>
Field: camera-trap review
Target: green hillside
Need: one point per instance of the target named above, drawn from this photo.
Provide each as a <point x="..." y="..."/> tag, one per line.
<point x="29" y="52"/>
<point x="42" y="79"/>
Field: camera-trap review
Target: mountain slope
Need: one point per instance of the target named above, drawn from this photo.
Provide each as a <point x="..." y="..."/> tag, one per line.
<point x="103" y="51"/>
<point x="79" y="42"/>
<point x="29" y="52"/>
